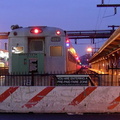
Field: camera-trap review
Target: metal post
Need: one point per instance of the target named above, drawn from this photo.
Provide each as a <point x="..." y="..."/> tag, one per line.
<point x="32" y="78"/>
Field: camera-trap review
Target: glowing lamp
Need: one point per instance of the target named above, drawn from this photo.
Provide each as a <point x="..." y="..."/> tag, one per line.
<point x="77" y="58"/>
<point x="89" y="49"/>
<point x="67" y="43"/>
<point x="36" y="31"/>
<point x="58" y="32"/>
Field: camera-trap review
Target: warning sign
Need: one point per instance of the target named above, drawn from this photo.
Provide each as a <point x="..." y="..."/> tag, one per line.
<point x="72" y="80"/>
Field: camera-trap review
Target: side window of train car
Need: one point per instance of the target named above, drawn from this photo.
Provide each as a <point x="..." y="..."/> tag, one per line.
<point x="55" y="51"/>
<point x="36" y="45"/>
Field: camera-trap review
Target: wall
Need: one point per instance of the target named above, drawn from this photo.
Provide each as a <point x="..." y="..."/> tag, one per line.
<point x="60" y="99"/>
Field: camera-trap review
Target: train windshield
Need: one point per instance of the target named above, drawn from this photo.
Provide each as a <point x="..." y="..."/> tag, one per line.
<point x="35" y="45"/>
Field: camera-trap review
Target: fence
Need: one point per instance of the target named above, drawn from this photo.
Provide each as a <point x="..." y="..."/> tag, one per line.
<point x="23" y="79"/>
<point x="27" y="80"/>
<point x="44" y="80"/>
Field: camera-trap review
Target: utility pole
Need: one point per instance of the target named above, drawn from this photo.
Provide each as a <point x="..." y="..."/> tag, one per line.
<point x="113" y="27"/>
<point x="109" y="5"/>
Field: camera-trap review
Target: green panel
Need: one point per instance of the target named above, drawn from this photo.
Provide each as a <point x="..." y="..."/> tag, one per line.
<point x="40" y="63"/>
<point x="26" y="62"/>
<point x="18" y="65"/>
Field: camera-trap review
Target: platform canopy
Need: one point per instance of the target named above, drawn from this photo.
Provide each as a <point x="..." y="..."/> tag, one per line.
<point x="109" y="47"/>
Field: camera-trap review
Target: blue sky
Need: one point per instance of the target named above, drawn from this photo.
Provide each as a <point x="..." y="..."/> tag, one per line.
<point x="66" y="14"/>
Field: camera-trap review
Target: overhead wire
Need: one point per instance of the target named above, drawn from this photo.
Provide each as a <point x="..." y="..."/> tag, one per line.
<point x="99" y="22"/>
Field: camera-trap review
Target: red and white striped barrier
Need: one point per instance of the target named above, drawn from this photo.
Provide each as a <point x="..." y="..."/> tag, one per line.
<point x="60" y="99"/>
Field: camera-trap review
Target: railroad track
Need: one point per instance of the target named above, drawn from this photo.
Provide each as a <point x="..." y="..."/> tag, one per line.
<point x="95" y="81"/>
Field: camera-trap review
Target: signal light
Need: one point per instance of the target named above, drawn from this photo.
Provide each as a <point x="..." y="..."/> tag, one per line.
<point x="67" y="43"/>
<point x="58" y="32"/>
<point x="36" y="31"/>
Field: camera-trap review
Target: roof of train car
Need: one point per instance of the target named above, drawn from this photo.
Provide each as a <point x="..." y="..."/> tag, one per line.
<point x="112" y="44"/>
<point x="22" y="31"/>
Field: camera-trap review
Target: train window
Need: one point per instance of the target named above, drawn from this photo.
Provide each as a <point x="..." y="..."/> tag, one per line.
<point x="17" y="50"/>
<point x="36" y="45"/>
<point x="55" y="51"/>
<point x="71" y="58"/>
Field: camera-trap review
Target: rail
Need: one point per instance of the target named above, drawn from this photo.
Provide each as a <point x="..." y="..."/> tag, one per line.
<point x="85" y="77"/>
<point x="44" y="80"/>
<point x="91" y="79"/>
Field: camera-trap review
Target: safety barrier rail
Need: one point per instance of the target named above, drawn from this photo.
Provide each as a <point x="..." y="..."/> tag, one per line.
<point x="32" y="79"/>
<point x="27" y="80"/>
<point x="44" y="80"/>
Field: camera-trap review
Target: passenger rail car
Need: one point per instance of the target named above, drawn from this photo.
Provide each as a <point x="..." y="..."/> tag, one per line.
<point x="41" y="49"/>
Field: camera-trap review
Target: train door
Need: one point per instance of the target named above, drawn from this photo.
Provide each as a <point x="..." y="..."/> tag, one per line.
<point x="36" y="47"/>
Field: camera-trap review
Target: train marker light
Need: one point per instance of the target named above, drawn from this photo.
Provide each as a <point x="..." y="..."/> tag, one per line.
<point x="58" y="32"/>
<point x="67" y="42"/>
<point x="77" y="58"/>
<point x="36" y="31"/>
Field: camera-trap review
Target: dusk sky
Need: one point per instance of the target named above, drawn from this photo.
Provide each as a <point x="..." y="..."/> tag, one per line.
<point x="65" y="14"/>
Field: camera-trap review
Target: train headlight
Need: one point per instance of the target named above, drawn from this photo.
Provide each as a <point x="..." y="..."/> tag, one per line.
<point x="36" y="31"/>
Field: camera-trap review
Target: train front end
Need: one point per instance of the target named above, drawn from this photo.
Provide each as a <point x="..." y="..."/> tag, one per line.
<point x="37" y="49"/>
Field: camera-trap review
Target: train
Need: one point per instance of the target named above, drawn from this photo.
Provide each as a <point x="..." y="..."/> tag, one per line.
<point x="41" y="49"/>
